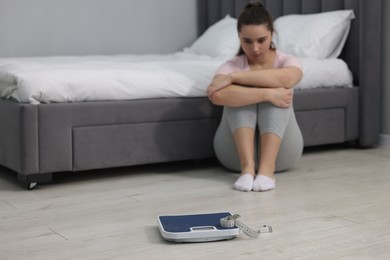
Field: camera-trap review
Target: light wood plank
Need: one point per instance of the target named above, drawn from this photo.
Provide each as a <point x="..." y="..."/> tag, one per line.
<point x="333" y="205"/>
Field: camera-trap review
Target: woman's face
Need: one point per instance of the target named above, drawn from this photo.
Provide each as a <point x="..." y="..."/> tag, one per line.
<point x="255" y="41"/>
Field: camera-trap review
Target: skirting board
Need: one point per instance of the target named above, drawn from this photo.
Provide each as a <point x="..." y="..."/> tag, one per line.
<point x="384" y="140"/>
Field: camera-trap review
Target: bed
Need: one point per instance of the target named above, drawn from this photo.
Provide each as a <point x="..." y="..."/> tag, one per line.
<point x="39" y="137"/>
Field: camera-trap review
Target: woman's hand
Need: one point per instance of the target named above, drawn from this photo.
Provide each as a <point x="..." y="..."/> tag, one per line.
<point x="280" y="97"/>
<point x="219" y="81"/>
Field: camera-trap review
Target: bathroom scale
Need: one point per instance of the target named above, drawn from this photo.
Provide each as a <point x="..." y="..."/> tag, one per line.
<point x="196" y="227"/>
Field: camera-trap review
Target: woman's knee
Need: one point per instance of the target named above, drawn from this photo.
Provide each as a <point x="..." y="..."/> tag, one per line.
<point x="272" y="119"/>
<point x="241" y="117"/>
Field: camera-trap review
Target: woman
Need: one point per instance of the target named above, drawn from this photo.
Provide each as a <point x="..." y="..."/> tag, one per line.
<point x="255" y="89"/>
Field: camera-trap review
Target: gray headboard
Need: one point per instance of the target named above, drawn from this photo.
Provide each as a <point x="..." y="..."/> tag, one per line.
<point x="362" y="51"/>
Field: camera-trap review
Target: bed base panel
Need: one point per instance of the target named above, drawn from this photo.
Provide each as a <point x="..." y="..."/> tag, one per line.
<point x="108" y="146"/>
<point x="56" y="136"/>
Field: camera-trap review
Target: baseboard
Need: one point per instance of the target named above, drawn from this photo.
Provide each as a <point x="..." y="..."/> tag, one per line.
<point x="384" y="140"/>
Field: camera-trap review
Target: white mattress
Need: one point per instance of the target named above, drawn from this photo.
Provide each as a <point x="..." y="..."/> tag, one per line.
<point x="127" y="77"/>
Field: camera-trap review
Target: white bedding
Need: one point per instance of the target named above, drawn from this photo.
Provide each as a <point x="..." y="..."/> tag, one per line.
<point x="127" y="77"/>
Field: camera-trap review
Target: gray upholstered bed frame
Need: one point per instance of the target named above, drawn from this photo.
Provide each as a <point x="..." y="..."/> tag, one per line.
<point x="38" y="140"/>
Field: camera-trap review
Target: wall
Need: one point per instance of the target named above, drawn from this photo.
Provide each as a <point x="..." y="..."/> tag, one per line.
<point x="385" y="137"/>
<point x="74" y="27"/>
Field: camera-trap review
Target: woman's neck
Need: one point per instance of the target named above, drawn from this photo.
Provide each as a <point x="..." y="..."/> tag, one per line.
<point x="265" y="63"/>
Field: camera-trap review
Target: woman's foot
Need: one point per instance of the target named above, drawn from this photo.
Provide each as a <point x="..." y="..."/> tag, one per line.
<point x="263" y="183"/>
<point x="244" y="182"/>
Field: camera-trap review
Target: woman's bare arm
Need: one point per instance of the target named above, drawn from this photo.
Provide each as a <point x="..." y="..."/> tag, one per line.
<point x="286" y="77"/>
<point x="268" y="78"/>
<point x="237" y="96"/>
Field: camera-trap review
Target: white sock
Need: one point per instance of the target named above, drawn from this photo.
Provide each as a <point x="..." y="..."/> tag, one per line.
<point x="263" y="183"/>
<point x="244" y="182"/>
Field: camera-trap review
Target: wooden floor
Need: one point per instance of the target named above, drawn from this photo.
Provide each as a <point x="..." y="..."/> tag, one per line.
<point x="333" y="205"/>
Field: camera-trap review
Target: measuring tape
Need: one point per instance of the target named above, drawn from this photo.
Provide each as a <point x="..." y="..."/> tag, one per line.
<point x="231" y="221"/>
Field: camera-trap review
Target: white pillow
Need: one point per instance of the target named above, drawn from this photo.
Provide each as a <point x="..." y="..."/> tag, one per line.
<point x="221" y="39"/>
<point x="320" y="35"/>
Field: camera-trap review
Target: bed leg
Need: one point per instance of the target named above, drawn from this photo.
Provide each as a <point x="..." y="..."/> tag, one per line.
<point x="32" y="180"/>
<point x="31" y="185"/>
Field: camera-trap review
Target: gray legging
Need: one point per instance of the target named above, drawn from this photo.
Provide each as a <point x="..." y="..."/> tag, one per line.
<point x="269" y="119"/>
